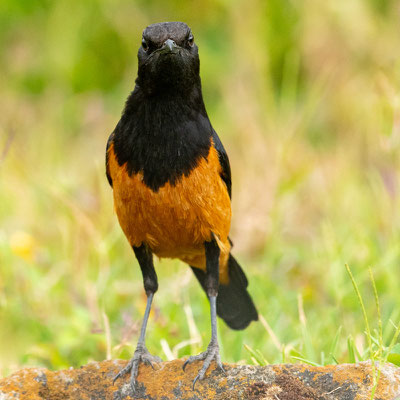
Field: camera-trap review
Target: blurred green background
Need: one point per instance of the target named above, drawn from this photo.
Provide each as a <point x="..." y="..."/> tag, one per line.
<point x="305" y="96"/>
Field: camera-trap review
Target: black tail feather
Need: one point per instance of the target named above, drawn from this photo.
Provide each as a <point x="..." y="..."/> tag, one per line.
<point x="234" y="304"/>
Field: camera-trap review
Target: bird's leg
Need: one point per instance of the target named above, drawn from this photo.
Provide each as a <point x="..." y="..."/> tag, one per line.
<point x="141" y="354"/>
<point x="212" y="283"/>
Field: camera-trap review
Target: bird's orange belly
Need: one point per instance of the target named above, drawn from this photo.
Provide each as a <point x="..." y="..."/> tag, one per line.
<point x="176" y="220"/>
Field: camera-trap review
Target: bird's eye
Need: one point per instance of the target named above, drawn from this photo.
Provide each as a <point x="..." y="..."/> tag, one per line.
<point x="191" y="40"/>
<point x="145" y="45"/>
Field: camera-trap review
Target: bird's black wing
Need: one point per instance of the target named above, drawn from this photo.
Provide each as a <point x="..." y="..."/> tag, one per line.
<point x="224" y="161"/>
<point x="109" y="141"/>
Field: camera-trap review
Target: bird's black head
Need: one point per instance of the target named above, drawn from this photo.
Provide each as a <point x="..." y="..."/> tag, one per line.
<point x="168" y="59"/>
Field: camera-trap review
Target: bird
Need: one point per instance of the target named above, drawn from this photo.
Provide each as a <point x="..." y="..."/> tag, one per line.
<point x="171" y="182"/>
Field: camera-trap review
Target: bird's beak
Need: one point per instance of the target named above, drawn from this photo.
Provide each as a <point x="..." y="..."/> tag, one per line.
<point x="169" y="46"/>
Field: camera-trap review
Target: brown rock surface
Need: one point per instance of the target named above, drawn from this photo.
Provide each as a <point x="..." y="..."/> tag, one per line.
<point x="168" y="381"/>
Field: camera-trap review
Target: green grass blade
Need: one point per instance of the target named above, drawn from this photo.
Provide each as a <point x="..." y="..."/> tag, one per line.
<point x="360" y="300"/>
<point x="378" y="308"/>
<point x="306" y="361"/>
<point x="334" y="345"/>
<point x="256" y="356"/>
<point x="351" y="348"/>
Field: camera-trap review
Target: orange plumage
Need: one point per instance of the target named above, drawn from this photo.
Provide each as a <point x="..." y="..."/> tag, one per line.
<point x="176" y="220"/>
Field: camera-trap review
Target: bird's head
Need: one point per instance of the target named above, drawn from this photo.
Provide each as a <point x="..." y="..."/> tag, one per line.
<point x="168" y="58"/>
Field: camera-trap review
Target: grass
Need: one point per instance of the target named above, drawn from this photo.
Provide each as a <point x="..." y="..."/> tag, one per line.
<point x="307" y="104"/>
<point x="376" y="356"/>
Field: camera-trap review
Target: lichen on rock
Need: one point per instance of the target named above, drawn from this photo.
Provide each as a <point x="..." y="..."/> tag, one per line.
<point x="169" y="381"/>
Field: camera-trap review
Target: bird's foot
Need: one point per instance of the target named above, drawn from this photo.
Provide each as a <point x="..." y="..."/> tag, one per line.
<point x="212" y="353"/>
<point x="141" y="355"/>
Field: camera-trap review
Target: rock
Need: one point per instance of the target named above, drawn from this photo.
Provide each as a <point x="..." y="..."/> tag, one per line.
<point x="168" y="381"/>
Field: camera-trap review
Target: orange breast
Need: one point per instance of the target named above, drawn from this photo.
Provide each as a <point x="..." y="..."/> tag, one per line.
<point x="176" y="220"/>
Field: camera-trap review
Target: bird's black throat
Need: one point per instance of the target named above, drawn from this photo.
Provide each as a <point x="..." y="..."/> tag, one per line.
<point x="163" y="135"/>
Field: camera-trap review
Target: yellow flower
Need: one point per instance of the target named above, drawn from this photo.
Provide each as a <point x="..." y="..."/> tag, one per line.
<point x="23" y="245"/>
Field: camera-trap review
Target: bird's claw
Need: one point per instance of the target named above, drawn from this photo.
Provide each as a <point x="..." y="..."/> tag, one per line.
<point x="141" y="355"/>
<point x="212" y="353"/>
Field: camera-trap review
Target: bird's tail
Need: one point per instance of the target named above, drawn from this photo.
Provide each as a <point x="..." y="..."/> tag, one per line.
<point x="234" y="304"/>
